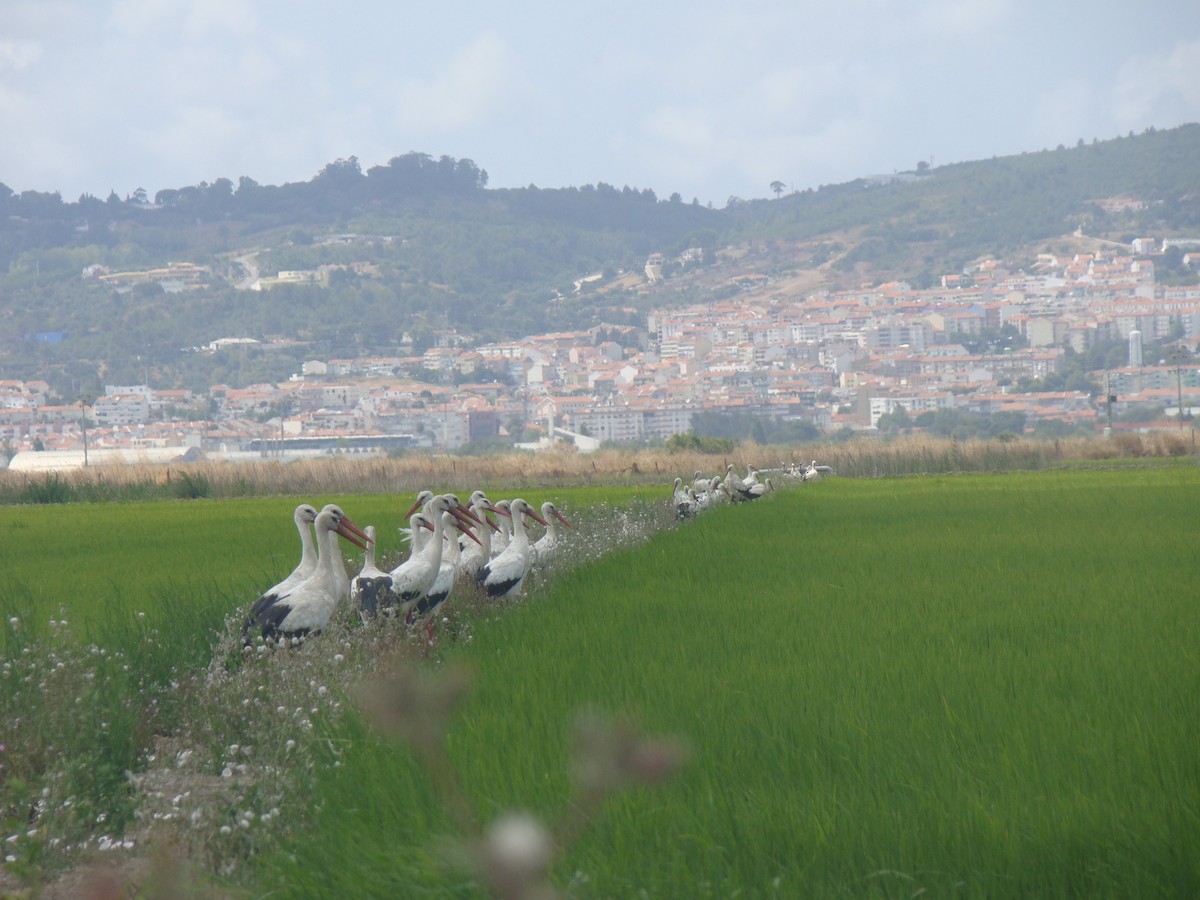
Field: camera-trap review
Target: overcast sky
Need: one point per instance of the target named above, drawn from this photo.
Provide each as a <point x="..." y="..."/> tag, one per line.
<point x="710" y="100"/>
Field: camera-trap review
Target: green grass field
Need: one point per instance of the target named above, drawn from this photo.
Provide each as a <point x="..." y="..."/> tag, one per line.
<point x="967" y="685"/>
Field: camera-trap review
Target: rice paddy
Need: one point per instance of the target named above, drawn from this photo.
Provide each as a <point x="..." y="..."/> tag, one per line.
<point x="969" y="685"/>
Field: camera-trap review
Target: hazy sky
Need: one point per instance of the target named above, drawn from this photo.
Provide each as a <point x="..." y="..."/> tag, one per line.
<point x="706" y="99"/>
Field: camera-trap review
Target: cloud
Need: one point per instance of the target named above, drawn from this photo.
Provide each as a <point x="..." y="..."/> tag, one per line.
<point x="961" y="20"/>
<point x="1065" y="113"/>
<point x="18" y="55"/>
<point x="481" y="81"/>
<point x="1160" y="89"/>
<point x="143" y="19"/>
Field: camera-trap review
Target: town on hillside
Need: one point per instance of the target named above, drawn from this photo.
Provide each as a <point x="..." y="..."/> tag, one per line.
<point x="838" y="362"/>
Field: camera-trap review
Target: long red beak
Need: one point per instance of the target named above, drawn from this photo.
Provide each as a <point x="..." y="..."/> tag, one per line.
<point x="469" y="533"/>
<point x="535" y="516"/>
<point x="464" y="515"/>
<point x="562" y="518"/>
<point x="353" y="533"/>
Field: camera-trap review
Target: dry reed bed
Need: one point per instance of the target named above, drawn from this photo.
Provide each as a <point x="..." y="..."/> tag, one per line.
<point x="913" y="455"/>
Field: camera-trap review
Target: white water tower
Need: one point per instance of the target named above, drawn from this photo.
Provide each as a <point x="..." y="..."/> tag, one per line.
<point x="1135" y="348"/>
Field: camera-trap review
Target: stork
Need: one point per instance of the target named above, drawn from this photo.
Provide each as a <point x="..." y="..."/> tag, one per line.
<point x="733" y="484"/>
<point x="686" y="504"/>
<point x="304" y="516"/>
<point x="544" y="547"/>
<point x="733" y="481"/>
<point x="475" y="553"/>
<point x="370" y="580"/>
<point x="412" y="578"/>
<point x="758" y="489"/>
<point x="813" y="472"/>
<point x="502" y="575"/>
<point x="308" y="606"/>
<point x="443" y="582"/>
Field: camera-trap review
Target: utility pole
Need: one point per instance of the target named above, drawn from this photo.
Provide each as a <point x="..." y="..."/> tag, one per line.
<point x="1177" y="356"/>
<point x="83" y="427"/>
<point x="1108" y="394"/>
<point x="1179" y="392"/>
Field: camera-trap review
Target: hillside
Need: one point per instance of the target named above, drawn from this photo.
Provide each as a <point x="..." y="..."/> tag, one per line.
<point x="374" y="263"/>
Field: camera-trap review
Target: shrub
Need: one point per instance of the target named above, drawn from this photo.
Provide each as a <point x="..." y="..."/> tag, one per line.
<point x="191" y="485"/>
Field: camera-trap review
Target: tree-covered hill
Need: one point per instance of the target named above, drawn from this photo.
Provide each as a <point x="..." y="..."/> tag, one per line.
<point x="422" y="244"/>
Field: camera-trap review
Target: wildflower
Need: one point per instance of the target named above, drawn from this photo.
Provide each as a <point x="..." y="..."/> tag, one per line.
<point x="515" y="855"/>
<point x="413" y="707"/>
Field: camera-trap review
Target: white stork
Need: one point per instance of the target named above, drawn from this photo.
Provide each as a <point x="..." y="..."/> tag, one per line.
<point x="541" y="550"/>
<point x="813" y="472"/>
<point x="733" y="481"/>
<point x="443" y="582"/>
<point x="734" y="486"/>
<point x="365" y="587"/>
<point x="686" y="504"/>
<point x="756" y="490"/>
<point x="502" y="575"/>
<point x="304" y="516"/>
<point x="473" y="554"/>
<point x="678" y="494"/>
<point x="412" y="578"/>
<point x="308" y="606"/>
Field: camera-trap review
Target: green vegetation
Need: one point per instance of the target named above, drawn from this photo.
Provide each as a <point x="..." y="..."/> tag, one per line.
<point x="977" y="684"/>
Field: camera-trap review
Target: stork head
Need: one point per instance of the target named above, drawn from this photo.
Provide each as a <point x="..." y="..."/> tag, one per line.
<point x="332" y="518"/>
<point x="422" y="498"/>
<point x="520" y="507"/>
<point x="549" y="509"/>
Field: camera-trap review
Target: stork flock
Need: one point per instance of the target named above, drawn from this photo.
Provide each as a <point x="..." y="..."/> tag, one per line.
<point x="705" y="491"/>
<point x="452" y="543"/>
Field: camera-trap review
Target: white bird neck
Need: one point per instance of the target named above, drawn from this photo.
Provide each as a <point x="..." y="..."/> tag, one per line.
<point x="518" y="528"/>
<point x="369" y="561"/>
<point x="450" y="551"/>
<point x="433" y="550"/>
<point x="308" y="549"/>
<point x="330" y="565"/>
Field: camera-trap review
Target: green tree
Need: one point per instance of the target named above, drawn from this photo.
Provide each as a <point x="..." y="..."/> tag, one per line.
<point x="895" y="422"/>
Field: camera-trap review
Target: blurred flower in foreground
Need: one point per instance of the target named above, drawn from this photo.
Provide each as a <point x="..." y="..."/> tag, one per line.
<point x="515" y="853"/>
<point x="412" y="706"/>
